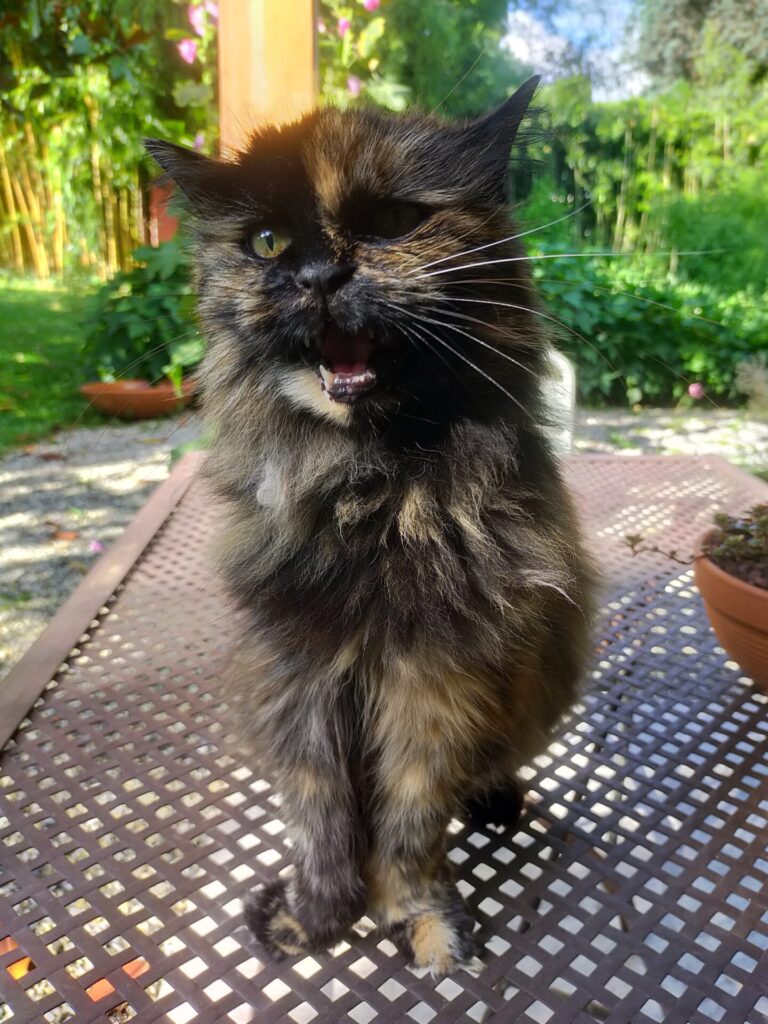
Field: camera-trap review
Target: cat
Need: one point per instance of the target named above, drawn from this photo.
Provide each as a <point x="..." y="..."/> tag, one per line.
<point x="398" y="533"/>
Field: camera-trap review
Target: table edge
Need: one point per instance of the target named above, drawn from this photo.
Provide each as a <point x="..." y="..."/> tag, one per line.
<point x="32" y="673"/>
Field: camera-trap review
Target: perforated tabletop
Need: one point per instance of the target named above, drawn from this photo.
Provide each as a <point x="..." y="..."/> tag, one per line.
<point x="634" y="889"/>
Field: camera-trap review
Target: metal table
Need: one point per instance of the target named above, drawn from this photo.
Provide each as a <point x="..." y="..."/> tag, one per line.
<point x="634" y="889"/>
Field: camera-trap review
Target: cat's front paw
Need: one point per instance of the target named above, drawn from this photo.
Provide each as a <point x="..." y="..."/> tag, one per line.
<point x="273" y="924"/>
<point x="440" y="940"/>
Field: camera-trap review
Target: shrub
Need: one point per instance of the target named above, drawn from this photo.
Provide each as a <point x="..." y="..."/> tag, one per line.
<point x="642" y="339"/>
<point x="142" y="320"/>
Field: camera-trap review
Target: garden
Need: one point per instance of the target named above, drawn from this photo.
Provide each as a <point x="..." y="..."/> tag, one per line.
<point x="657" y="278"/>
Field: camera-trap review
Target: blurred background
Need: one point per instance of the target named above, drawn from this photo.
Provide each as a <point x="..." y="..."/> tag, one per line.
<point x="654" y="127"/>
<point x="651" y="141"/>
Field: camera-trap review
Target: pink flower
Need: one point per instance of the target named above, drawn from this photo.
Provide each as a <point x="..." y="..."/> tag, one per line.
<point x="343" y="26"/>
<point x="187" y="50"/>
<point x="196" y="17"/>
<point x="354" y="85"/>
<point x="696" y="390"/>
<point x="371" y="5"/>
<point x="96" y="546"/>
<point x="212" y="8"/>
<point x="321" y="27"/>
<point x="199" y="141"/>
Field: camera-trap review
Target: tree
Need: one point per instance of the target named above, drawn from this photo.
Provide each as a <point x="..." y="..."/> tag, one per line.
<point x="671" y="34"/>
<point x="438" y="54"/>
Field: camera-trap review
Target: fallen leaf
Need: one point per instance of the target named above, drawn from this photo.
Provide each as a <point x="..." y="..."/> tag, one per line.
<point x="65" y="535"/>
<point x="51" y="457"/>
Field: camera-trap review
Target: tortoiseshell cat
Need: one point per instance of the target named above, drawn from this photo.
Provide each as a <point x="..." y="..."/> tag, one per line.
<point x="398" y="532"/>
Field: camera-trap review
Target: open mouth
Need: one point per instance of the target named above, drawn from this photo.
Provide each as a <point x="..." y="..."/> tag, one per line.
<point x="346" y="369"/>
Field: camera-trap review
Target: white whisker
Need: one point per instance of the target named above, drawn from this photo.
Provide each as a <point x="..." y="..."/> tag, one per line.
<point x="501" y="241"/>
<point x="566" y="255"/>
<point x="485" y="344"/>
<point x="488" y="377"/>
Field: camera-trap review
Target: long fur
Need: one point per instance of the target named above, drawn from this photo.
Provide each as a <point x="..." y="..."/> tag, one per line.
<point x="418" y="600"/>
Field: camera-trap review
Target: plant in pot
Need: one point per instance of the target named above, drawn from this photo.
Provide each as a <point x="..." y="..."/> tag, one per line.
<point x="731" y="571"/>
<point x="141" y="339"/>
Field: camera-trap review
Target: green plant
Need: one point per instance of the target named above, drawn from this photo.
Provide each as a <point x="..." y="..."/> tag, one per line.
<point x="739" y="545"/>
<point x="142" y="320"/>
<point x="640" y="338"/>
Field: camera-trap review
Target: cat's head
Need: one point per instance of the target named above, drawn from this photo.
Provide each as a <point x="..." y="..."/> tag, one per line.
<point x="347" y="265"/>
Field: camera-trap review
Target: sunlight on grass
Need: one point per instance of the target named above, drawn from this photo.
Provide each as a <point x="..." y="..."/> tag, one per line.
<point x="40" y="361"/>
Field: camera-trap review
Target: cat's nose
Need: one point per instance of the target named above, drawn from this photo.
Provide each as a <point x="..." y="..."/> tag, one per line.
<point x="323" y="278"/>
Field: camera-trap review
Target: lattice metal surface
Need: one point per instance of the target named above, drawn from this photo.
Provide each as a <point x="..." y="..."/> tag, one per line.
<point x="634" y="889"/>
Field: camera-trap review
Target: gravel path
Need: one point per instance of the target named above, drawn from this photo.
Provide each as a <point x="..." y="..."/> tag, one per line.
<point x="62" y="501"/>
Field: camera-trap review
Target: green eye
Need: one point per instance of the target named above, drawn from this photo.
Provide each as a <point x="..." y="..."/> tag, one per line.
<point x="268" y="244"/>
<point x="393" y="220"/>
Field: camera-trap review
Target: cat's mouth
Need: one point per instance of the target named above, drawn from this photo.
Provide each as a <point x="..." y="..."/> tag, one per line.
<point x="346" y="367"/>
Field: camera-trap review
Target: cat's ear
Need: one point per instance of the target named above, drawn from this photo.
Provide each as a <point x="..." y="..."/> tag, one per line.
<point x="491" y="137"/>
<point x="200" y="179"/>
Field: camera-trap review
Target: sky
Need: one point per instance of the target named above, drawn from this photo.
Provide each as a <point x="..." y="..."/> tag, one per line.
<point x="600" y="29"/>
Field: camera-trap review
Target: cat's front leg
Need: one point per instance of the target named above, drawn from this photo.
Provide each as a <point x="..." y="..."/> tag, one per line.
<point x="424" y="759"/>
<point x="314" y="906"/>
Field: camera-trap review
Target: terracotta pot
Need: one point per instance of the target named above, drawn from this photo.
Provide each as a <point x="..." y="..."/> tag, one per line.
<point x="738" y="612"/>
<point x="138" y="399"/>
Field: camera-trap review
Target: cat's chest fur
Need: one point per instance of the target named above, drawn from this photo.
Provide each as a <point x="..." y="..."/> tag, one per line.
<point x="402" y="551"/>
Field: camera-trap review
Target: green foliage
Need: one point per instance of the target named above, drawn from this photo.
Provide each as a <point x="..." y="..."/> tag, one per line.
<point x="640" y="338"/>
<point x="82" y="84"/>
<point x="40" y="361"/>
<point x="142" y="321"/>
<point x="739" y="546"/>
<point x="436" y="54"/>
<point x="672" y="34"/>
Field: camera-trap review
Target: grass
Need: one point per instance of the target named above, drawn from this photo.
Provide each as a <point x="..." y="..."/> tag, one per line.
<point x="40" y="362"/>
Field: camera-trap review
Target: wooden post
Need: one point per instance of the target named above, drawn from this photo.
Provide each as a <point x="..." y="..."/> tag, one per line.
<point x="267" y="64"/>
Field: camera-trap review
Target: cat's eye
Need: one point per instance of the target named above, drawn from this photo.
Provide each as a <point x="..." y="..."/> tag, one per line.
<point x="267" y="243"/>
<point x="394" y="219"/>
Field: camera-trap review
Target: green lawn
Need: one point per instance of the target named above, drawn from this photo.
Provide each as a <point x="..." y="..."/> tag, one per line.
<point x="40" y="371"/>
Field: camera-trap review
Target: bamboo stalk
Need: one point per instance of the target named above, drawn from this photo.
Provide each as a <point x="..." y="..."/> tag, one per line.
<point x="39" y="258"/>
<point x="35" y="212"/>
<point x="96" y="186"/>
<point x="108" y="201"/>
<point x="10" y="205"/>
<point x="621" y="205"/>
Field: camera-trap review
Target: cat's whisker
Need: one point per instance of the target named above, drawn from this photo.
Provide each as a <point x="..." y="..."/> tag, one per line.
<point x="420" y="337"/>
<point x="485" y="344"/>
<point x="554" y="320"/>
<point x="576" y="334"/>
<point x="474" y="366"/>
<point x="568" y="255"/>
<point x="501" y="241"/>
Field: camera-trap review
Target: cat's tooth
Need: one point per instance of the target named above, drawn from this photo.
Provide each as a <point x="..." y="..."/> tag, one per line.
<point x="327" y="375"/>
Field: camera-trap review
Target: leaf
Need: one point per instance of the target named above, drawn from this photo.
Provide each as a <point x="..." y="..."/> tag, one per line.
<point x="81" y="46"/>
<point x="370" y="35"/>
<point x="65" y="535"/>
<point x="187" y="352"/>
<point x="192" y="94"/>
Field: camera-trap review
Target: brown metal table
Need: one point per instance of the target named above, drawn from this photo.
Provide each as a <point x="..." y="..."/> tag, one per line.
<point x="635" y="888"/>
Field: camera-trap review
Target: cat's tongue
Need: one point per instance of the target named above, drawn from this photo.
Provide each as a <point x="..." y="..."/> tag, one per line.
<point x="345" y="367"/>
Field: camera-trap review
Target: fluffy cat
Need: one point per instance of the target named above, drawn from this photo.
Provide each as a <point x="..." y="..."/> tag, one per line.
<point x="398" y="530"/>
